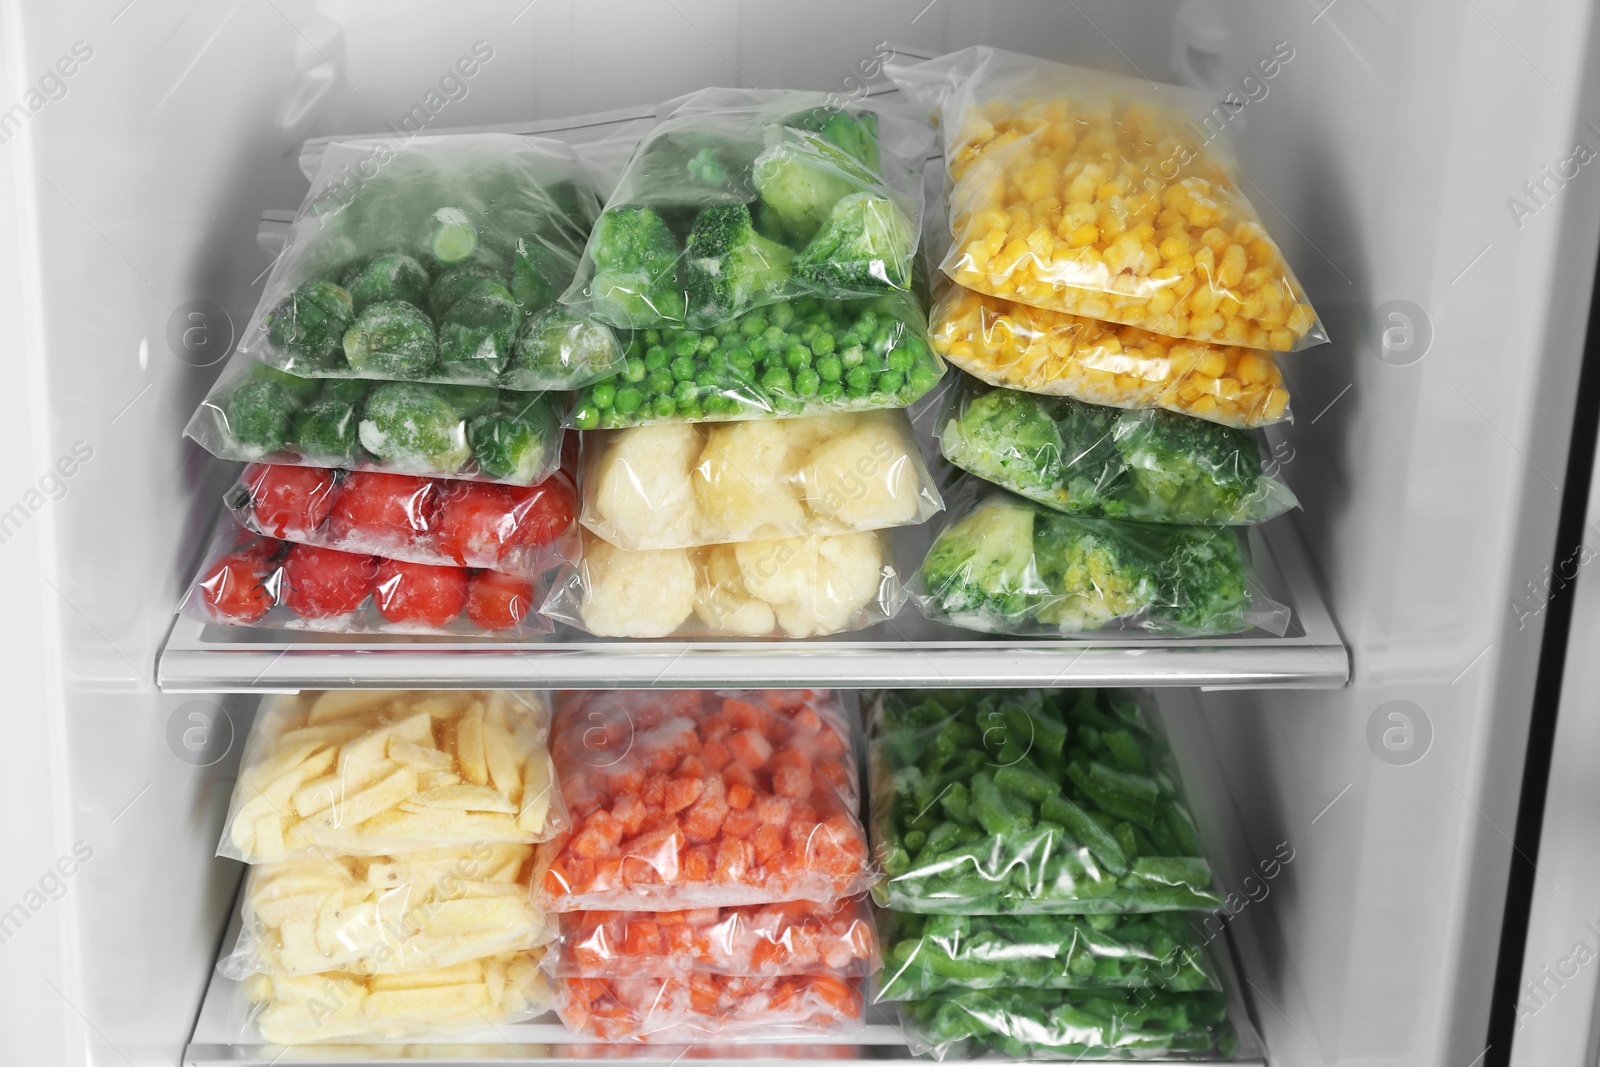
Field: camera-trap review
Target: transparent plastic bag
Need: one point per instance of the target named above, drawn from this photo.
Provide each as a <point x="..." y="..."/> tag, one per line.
<point x="336" y="1007"/>
<point x="256" y="412"/>
<point x="926" y="954"/>
<point x="446" y="523"/>
<point x="755" y="940"/>
<point x="681" y="486"/>
<point x="387" y="914"/>
<point x="1028" y="801"/>
<point x="1097" y="195"/>
<point x="379" y="772"/>
<point x="1015" y="346"/>
<point x="1008" y="565"/>
<point x="740" y="198"/>
<point x="1023" y="1023"/>
<point x="1098" y="462"/>
<point x="792" y="587"/>
<point x="249" y="580"/>
<point x="700" y="799"/>
<point x="801" y="357"/>
<point x="436" y="259"/>
<point x="708" y="1008"/>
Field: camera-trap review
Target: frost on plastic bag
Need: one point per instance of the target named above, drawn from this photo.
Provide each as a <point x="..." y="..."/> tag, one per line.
<point x="436" y="259"/>
<point x="446" y="523"/>
<point x="737" y="199"/>
<point x="1152" y="466"/>
<point x="1023" y="1023"/>
<point x="802" y="357"/>
<point x="761" y="940"/>
<point x="707" y="1008"/>
<point x="278" y="585"/>
<point x="1099" y="195"/>
<point x="1028" y="801"/>
<point x="680" y="486"/>
<point x="926" y="954"/>
<point x="1008" y="565"/>
<point x="1015" y="346"/>
<point x="378" y="772"/>
<point x="699" y="799"/>
<point x="255" y="412"/>
<point x="791" y="587"/>
<point x="337" y="1007"/>
<point x="387" y="914"/>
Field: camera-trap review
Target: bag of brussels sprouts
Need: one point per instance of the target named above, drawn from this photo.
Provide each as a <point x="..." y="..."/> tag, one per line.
<point x="256" y="412"/>
<point x="437" y="259"/>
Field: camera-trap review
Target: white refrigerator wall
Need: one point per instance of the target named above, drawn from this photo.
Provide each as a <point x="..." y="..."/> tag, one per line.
<point x="1382" y="155"/>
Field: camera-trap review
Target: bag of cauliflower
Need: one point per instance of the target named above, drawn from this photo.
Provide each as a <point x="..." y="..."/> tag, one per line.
<point x="677" y="485"/>
<point x="787" y="587"/>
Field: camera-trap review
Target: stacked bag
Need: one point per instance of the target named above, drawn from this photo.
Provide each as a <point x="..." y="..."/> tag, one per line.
<point x="391" y="841"/>
<point x="1118" y="305"/>
<point x="1038" y="861"/>
<point x="712" y="886"/>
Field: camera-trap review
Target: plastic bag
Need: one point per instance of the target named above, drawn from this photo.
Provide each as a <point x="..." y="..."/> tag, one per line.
<point x="255" y="412"/>
<point x="926" y="954"/>
<point x="1019" y="347"/>
<point x="1098" y="195"/>
<point x="1080" y="459"/>
<point x="1023" y="1023"/>
<point x="387" y="914"/>
<point x="699" y="799"/>
<point x="741" y="198"/>
<point x="376" y="772"/>
<point x="338" y="1007"/>
<point x="760" y="940"/>
<point x="802" y="357"/>
<point x="1008" y="565"/>
<point x="792" y="587"/>
<point x="1028" y="801"/>
<point x="436" y="259"/>
<point x="679" y="486"/>
<point x="446" y="523"/>
<point x="248" y="580"/>
<point x="708" y="1007"/>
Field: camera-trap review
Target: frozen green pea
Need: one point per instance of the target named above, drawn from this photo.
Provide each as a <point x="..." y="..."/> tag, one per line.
<point x="858" y="380"/>
<point x="807" y="382"/>
<point x="776" y="379"/>
<point x="822" y="343"/>
<point x="773" y="337"/>
<point x="685" y="391"/>
<point x="659" y="382"/>
<point x="682" y="369"/>
<point x="708" y="344"/>
<point x="627" y="400"/>
<point x="831" y="391"/>
<point x="796" y="356"/>
<point x="853" y="357"/>
<point x="685" y="345"/>
<point x="656" y="357"/>
<point x="603" y="394"/>
<point x="782" y="316"/>
<point x="830" y="367"/>
<point x="900" y="358"/>
<point x="586" y="416"/>
<point x="636" y="369"/>
<point x="753" y="325"/>
<point x="664" y="407"/>
<point x="890" y="381"/>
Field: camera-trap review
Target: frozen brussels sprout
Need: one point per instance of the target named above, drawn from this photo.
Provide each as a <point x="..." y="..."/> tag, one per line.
<point x="454" y="237"/>
<point x="510" y="443"/>
<point x="475" y="335"/>
<point x="308" y="325"/>
<point x="556" y="349"/>
<point x="414" y="429"/>
<point x="259" y="414"/>
<point x="393" y="338"/>
<point x="391" y="276"/>
<point x="457" y="282"/>
<point x="324" y="432"/>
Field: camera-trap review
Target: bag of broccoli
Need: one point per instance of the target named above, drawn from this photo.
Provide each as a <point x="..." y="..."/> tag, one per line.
<point x="738" y="199"/>
<point x="1152" y="466"/>
<point x="436" y="259"/>
<point x="256" y="412"/>
<point x="1028" y="801"/>
<point x="1008" y="565"/>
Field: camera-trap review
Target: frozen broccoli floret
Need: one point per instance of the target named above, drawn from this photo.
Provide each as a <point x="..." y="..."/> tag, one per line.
<point x="1091" y="571"/>
<point x="706" y="169"/>
<point x="865" y="247"/>
<point x="258" y="416"/>
<point x="1190" y="469"/>
<point x="635" y="269"/>
<point x="1052" y="449"/>
<point x="981" y="570"/>
<point x="414" y="429"/>
<point x="391" y="276"/>
<point x="856" y="134"/>
<point x="538" y="275"/>
<point x="454" y="238"/>
<point x="1203" y="588"/>
<point x="800" y="187"/>
<point x="309" y="324"/>
<point x="475" y="335"/>
<point x="393" y="339"/>
<point x="510" y="444"/>
<point x="457" y="282"/>
<point x="556" y="349"/>
<point x="728" y="266"/>
<point x="324" y="432"/>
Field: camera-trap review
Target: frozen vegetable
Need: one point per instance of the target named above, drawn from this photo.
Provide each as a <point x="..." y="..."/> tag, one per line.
<point x="309" y="323"/>
<point x="1028" y="801"/>
<point x="728" y="266"/>
<point x="805" y="357"/>
<point x="1092" y="194"/>
<point x="795" y="587"/>
<point x="385" y="277"/>
<point x="1081" y="459"/>
<point x="1008" y="565"/>
<point x="391" y="339"/>
<point x="693" y="799"/>
<point x="387" y="914"/>
<point x="865" y="244"/>
<point x="635" y="269"/>
<point x="374" y="772"/>
<point x="704" y="1008"/>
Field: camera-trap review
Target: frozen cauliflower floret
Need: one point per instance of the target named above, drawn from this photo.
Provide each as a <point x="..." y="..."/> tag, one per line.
<point x="641" y="489"/>
<point x="635" y="594"/>
<point x="743" y="482"/>
<point x="816" y="585"/>
<point x="723" y="603"/>
<point x="865" y="478"/>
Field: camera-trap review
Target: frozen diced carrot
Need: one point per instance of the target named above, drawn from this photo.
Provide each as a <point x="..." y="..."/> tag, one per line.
<point x="740" y="796"/>
<point x="741" y="713"/>
<point x="697" y="863"/>
<point x="828" y="743"/>
<point x="837" y="994"/>
<point x="791" y="774"/>
<point x="641" y="938"/>
<point x="682" y="792"/>
<point x="774" y="811"/>
<point x="704" y="994"/>
<point x="704" y="819"/>
<point x="690" y="767"/>
<point x="734" y="860"/>
<point x="767" y="843"/>
<point x="714" y="755"/>
<point x="715" y="728"/>
<point x="750" y="748"/>
<point x="630" y="812"/>
<point x="655" y="793"/>
<point x="738" y="774"/>
<point x="741" y="822"/>
<point x="806" y="720"/>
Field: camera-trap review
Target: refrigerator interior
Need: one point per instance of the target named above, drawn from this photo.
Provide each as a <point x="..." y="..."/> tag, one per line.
<point x="1384" y="155"/>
